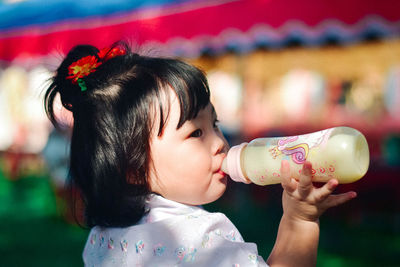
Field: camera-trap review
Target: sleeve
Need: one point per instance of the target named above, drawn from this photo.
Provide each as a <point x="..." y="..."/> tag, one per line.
<point x="208" y="239"/>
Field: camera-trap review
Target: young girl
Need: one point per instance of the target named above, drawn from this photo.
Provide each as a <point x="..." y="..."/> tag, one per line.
<point x="146" y="151"/>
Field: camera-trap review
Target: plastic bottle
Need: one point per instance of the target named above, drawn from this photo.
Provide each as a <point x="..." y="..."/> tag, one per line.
<point x="339" y="152"/>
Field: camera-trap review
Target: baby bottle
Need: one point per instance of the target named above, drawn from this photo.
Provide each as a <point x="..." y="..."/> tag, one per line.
<point x="339" y="152"/>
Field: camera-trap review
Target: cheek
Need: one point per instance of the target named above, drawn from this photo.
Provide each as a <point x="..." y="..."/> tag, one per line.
<point x="195" y="159"/>
<point x="182" y="165"/>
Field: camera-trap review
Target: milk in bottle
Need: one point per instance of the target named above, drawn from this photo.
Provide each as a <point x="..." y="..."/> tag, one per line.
<point x="340" y="152"/>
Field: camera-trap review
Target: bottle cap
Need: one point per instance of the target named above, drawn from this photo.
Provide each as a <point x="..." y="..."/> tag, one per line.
<point x="234" y="165"/>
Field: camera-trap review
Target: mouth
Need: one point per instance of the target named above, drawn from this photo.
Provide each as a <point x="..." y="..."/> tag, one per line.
<point x="221" y="173"/>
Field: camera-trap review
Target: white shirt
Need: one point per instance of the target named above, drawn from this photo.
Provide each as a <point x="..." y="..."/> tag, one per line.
<point x="172" y="234"/>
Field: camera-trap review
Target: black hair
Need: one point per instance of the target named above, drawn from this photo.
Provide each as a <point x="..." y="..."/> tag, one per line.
<point x="112" y="125"/>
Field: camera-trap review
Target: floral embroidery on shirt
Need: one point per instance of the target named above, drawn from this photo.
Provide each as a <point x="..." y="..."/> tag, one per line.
<point x="184" y="254"/>
<point x="253" y="258"/>
<point x="231" y="236"/>
<point x="101" y="238"/>
<point x="200" y="237"/>
<point x="206" y="243"/>
<point x="110" y="243"/>
<point x="139" y="246"/>
<point x="180" y="252"/>
<point x="158" y="249"/>
<point x="93" y="239"/>
<point x="124" y="245"/>
<point x="217" y="232"/>
<point x="189" y="257"/>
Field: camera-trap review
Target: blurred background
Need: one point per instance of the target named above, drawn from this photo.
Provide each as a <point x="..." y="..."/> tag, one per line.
<point x="275" y="67"/>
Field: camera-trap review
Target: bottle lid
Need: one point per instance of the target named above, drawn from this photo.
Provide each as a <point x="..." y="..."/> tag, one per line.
<point x="234" y="165"/>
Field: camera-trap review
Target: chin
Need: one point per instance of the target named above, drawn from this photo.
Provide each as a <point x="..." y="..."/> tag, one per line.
<point x="224" y="180"/>
<point x="219" y="194"/>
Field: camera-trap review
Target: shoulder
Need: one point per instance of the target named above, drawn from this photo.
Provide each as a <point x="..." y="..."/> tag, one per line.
<point x="191" y="226"/>
<point x="207" y="239"/>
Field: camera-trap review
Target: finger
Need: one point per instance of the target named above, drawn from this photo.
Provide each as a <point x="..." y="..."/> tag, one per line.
<point x="287" y="182"/>
<point x="322" y="193"/>
<point x="305" y="184"/>
<point x="336" y="200"/>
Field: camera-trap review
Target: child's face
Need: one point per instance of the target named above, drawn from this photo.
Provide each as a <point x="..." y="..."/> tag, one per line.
<point x="186" y="162"/>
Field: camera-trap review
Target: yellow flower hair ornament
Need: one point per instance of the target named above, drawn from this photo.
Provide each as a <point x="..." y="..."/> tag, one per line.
<point x="82" y="68"/>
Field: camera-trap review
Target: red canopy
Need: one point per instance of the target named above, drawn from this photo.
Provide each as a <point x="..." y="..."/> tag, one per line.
<point x="189" y="28"/>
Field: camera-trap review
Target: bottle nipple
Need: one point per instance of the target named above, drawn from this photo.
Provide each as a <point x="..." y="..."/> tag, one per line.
<point x="224" y="166"/>
<point x="232" y="164"/>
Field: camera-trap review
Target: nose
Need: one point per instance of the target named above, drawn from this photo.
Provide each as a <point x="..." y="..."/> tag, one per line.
<point x="220" y="145"/>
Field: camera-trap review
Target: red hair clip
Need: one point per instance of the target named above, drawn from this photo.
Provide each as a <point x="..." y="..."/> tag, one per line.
<point x="108" y="53"/>
<point x="86" y="65"/>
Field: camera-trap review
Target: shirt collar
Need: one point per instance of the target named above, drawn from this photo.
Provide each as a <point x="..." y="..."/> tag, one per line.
<point x="162" y="208"/>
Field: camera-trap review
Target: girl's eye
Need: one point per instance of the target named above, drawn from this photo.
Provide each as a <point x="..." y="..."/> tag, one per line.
<point x="197" y="133"/>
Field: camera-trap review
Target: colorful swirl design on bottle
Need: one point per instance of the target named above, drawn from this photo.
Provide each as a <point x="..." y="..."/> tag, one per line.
<point x="285" y="140"/>
<point x="299" y="153"/>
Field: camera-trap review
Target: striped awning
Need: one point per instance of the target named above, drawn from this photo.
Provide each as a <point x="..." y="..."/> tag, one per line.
<point x="38" y="28"/>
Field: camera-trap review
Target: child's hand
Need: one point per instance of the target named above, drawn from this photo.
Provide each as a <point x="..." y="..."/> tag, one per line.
<point x="302" y="201"/>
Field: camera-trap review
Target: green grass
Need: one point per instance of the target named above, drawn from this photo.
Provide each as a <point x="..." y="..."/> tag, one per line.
<point x="41" y="242"/>
<point x="32" y="230"/>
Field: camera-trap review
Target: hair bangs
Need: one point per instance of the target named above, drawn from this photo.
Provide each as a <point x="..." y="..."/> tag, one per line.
<point x="191" y="88"/>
